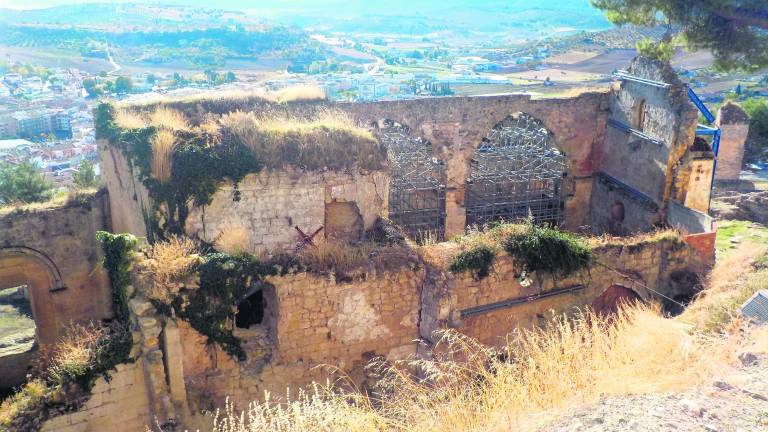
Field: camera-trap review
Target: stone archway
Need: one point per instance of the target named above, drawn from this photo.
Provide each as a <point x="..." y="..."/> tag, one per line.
<point x="515" y="172"/>
<point x="21" y="266"/>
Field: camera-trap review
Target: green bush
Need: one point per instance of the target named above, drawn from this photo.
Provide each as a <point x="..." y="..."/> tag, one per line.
<point x="549" y="250"/>
<point x="478" y="259"/>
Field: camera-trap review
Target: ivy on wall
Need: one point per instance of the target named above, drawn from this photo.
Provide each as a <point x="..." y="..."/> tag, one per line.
<point x="225" y="280"/>
<point x="198" y="168"/>
<point x="118" y="252"/>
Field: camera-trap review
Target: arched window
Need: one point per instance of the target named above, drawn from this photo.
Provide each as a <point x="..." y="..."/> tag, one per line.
<point x="640" y="114"/>
<point x="516" y="172"/>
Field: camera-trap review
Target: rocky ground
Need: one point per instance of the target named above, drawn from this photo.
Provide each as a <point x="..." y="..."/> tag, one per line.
<point x="738" y="403"/>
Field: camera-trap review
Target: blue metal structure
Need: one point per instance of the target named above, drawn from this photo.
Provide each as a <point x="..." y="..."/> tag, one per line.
<point x="626" y="128"/>
<point x="704" y="130"/>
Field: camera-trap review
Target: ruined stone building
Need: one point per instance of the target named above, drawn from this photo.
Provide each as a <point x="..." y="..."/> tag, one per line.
<point x="620" y="161"/>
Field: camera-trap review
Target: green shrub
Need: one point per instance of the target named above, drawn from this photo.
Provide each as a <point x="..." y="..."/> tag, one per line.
<point x="478" y="259"/>
<point x="549" y="250"/>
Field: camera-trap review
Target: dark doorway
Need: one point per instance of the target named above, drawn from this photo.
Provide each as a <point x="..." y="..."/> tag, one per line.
<point x="250" y="311"/>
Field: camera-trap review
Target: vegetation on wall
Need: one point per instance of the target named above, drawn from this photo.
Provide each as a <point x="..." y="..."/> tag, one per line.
<point x="329" y="139"/>
<point x="65" y="372"/>
<point x="542" y="248"/>
<point x="225" y="280"/>
<point x="478" y="260"/>
<point x="196" y="164"/>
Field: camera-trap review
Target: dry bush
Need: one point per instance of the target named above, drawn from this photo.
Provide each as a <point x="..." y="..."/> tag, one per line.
<point x="298" y="93"/>
<point x="330" y="139"/>
<point x="163" y="144"/>
<point x="72" y="355"/>
<point x="470" y="387"/>
<point x="167" y="118"/>
<point x="169" y="263"/>
<point x="233" y="240"/>
<point x="129" y="119"/>
<point x="336" y="256"/>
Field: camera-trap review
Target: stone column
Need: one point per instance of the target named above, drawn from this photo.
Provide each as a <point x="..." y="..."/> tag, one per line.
<point x="174" y="365"/>
<point x="446" y="139"/>
<point x="734" y="127"/>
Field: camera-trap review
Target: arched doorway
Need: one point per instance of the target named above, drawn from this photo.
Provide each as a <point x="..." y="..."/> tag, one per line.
<point x="417" y="186"/>
<point x="515" y="172"/>
<point x="25" y="267"/>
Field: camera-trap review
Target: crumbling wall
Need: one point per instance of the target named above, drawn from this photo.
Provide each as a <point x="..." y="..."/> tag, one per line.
<point x="55" y="252"/>
<point x="317" y="321"/>
<point x="734" y="128"/>
<point x="272" y="204"/>
<point x="457" y="300"/>
<point x="120" y="404"/>
<point x="664" y="114"/>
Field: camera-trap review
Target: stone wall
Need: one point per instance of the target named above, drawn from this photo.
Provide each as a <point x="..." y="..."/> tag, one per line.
<point x="54" y="251"/>
<point x="128" y="198"/>
<point x="273" y="204"/>
<point x="664" y="114"/>
<point x="734" y="129"/>
<point x="457" y="125"/>
<point x="457" y="301"/>
<point x="616" y="210"/>
<point x="315" y="321"/>
<point x="120" y="404"/>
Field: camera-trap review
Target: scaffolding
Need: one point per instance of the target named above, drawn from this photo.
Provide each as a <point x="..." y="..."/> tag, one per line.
<point x="516" y="171"/>
<point x="417" y="188"/>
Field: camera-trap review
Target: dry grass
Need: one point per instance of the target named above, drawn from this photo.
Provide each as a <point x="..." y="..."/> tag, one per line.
<point x="167" y="118"/>
<point x="169" y="263"/>
<point x="130" y="119"/>
<point x="62" y="198"/>
<point x="163" y="144"/>
<point x="733" y="281"/>
<point x="470" y="387"/>
<point x="233" y="239"/>
<point x="27" y="398"/>
<point x="336" y="256"/>
<point x="298" y="93"/>
<point x="330" y="139"/>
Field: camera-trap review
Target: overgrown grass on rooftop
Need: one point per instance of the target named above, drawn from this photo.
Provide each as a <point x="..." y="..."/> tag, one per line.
<point x="329" y="139"/>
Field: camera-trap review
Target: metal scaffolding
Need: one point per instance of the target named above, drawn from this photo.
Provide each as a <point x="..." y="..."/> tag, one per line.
<point x="417" y="188"/>
<point x="516" y="171"/>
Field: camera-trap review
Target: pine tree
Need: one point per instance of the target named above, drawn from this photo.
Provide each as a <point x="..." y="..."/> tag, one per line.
<point x="735" y="31"/>
<point x="23" y="183"/>
<point x="85" y="176"/>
